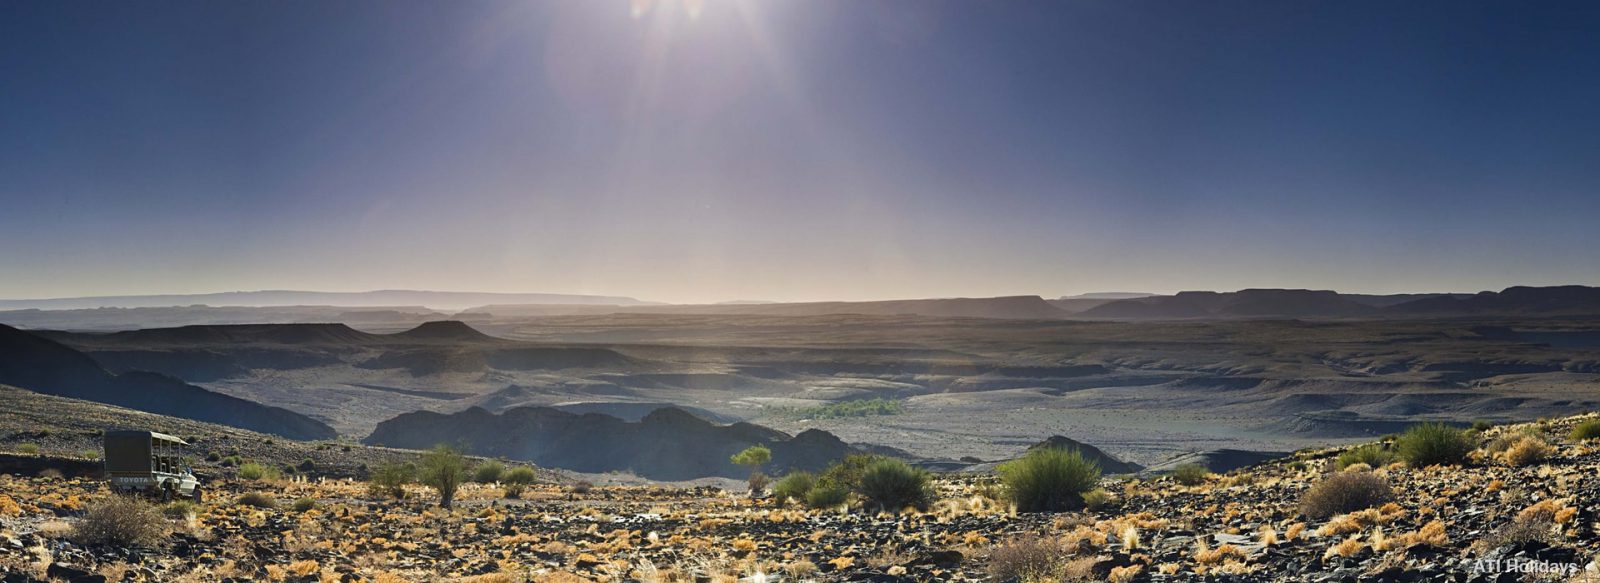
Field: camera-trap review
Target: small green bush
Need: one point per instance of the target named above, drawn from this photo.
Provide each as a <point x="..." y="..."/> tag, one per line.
<point x="1049" y="480"/>
<point x="390" y="480"/>
<point x="121" y="521"/>
<point x="1374" y="455"/>
<point x="1480" y="426"/>
<point x="213" y="457"/>
<point x="1430" y="444"/>
<point x="488" y="472"/>
<point x="304" y="504"/>
<point x="258" y="500"/>
<point x="443" y="469"/>
<point x="1344" y="492"/>
<point x="892" y="485"/>
<point x="1190" y="474"/>
<point x="582" y="487"/>
<point x="1586" y="430"/>
<point x="28" y="448"/>
<point x="255" y="471"/>
<point x="825" y="496"/>
<point x="521" y="475"/>
<point x="794" y="486"/>
<point x="846" y="473"/>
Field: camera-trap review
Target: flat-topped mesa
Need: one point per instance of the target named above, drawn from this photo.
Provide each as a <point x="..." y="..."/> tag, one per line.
<point x="451" y="330"/>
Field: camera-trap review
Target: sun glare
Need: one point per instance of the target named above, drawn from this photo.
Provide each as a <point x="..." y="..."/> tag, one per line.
<point x="691" y="7"/>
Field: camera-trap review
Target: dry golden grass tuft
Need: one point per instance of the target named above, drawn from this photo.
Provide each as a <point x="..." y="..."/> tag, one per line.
<point x="1205" y="555"/>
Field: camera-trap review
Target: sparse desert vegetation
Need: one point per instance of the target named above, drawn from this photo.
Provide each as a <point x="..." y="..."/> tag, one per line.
<point x="1279" y="520"/>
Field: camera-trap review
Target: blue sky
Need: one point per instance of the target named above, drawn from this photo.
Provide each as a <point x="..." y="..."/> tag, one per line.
<point x="797" y="149"/>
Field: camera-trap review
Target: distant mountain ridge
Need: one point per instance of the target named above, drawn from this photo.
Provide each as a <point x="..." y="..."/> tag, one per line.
<point x="666" y="444"/>
<point x="45" y="366"/>
<point x="380" y="298"/>
<point x="1302" y="303"/>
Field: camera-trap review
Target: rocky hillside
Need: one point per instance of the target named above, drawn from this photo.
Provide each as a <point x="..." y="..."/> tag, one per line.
<point x="45" y="366"/>
<point x="667" y="444"/>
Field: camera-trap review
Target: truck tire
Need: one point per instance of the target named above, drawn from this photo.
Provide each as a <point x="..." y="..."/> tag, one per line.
<point x="196" y="496"/>
<point x="166" y="492"/>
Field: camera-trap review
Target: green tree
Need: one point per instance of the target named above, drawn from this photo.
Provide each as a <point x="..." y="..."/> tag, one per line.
<point x="443" y="469"/>
<point x="754" y="456"/>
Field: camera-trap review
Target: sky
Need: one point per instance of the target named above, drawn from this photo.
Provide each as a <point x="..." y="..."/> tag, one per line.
<point x="713" y="150"/>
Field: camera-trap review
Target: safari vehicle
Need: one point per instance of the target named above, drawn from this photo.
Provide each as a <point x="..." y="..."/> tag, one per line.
<point x="149" y="463"/>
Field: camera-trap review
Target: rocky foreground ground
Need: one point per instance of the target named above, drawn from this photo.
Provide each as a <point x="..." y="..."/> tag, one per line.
<point x="1484" y="521"/>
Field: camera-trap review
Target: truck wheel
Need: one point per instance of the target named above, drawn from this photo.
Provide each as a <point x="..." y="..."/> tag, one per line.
<point x="166" y="493"/>
<point x="196" y="496"/>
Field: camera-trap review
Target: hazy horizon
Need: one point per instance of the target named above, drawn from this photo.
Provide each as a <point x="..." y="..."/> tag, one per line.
<point x="789" y="150"/>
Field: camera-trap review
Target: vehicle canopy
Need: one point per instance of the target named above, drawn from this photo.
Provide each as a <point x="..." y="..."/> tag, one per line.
<point x="143" y="452"/>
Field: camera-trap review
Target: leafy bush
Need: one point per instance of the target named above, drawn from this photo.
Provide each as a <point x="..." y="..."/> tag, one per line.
<point x="391" y="479"/>
<point x="258" y="500"/>
<point x="1586" y="430"/>
<point x="1049" y="480"/>
<point x="488" y="472"/>
<point x="255" y="471"/>
<point x="121" y="521"/>
<point x="1482" y="425"/>
<point x="443" y="469"/>
<point x="754" y="456"/>
<point x="582" y="487"/>
<point x="1344" y="492"/>
<point x="1190" y="474"/>
<point x="826" y="495"/>
<point x="794" y="486"/>
<point x="518" y="479"/>
<point x="213" y="457"/>
<point x="304" y="504"/>
<point x="892" y="485"/>
<point x="846" y="473"/>
<point x="28" y="448"/>
<point x="1430" y="444"/>
<point x="1374" y="455"/>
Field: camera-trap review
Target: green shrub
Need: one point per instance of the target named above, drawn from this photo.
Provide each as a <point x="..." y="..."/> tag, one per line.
<point x="1190" y="474"/>
<point x="1049" y="480"/>
<point x="258" y="500"/>
<point x="825" y="495"/>
<point x="391" y="479"/>
<point x="28" y="448"/>
<point x="1586" y="430"/>
<point x="1374" y="455"/>
<point x="754" y="456"/>
<point x="304" y="504"/>
<point x="443" y="469"/>
<point x="1480" y="426"/>
<point x="1430" y="444"/>
<point x="520" y="475"/>
<point x="121" y="521"/>
<point x="846" y="473"/>
<point x="255" y="471"/>
<point x="794" y="486"/>
<point x="892" y="485"/>
<point x="213" y="457"/>
<point x="582" y="487"/>
<point x="180" y="509"/>
<point x="488" y="472"/>
<point x="1344" y="492"/>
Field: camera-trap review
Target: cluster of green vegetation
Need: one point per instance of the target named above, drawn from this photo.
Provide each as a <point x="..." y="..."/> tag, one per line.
<point x="1586" y="430"/>
<point x="879" y="482"/>
<point x="1374" y="455"/>
<point x="1050" y="480"/>
<point x="1433" y="444"/>
<point x="255" y="471"/>
<point x="856" y="408"/>
<point x="1190" y="474"/>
